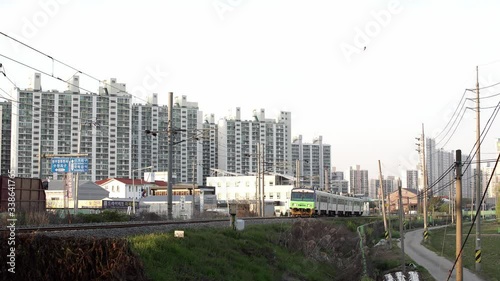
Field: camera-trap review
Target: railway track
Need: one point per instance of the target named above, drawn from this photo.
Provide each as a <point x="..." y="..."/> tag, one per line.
<point x="97" y="226"/>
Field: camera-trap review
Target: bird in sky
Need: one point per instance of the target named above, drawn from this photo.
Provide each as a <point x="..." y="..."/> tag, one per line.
<point x="364" y="48"/>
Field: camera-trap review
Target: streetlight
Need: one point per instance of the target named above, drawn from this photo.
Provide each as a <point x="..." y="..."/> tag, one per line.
<point x="133" y="185"/>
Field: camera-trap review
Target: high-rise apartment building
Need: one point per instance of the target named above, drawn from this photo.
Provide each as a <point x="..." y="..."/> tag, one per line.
<point x="239" y="140"/>
<point x="107" y="127"/>
<point x="210" y="147"/>
<point x="389" y="185"/>
<point x="70" y="122"/>
<point x="337" y="175"/>
<point x="152" y="150"/>
<point x="412" y="179"/>
<point x="338" y="183"/>
<point x="5" y="133"/>
<point x="358" y="181"/>
<point x="441" y="173"/>
<point x="314" y="160"/>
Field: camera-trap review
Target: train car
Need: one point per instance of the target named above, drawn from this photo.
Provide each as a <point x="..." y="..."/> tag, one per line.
<point x="306" y="202"/>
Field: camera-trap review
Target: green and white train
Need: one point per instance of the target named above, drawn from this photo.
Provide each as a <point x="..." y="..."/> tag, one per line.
<point x="306" y="202"/>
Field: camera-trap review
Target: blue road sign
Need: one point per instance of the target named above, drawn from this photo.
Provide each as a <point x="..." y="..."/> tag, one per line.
<point x="66" y="165"/>
<point x="79" y="165"/>
<point x="59" y="165"/>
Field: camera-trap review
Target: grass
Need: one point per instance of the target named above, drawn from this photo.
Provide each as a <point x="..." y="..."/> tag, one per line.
<point x="442" y="242"/>
<point x="326" y="250"/>
<point x="260" y="252"/>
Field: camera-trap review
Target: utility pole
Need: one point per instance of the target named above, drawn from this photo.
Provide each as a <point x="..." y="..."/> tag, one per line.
<point x="297" y="172"/>
<point x="401" y="227"/>
<point x="383" y="201"/>
<point x="78" y="145"/>
<point x="426" y="233"/>
<point x="389" y="226"/>
<point x="458" y="242"/>
<point x="327" y="181"/>
<point x="40" y="159"/>
<point x="192" y="192"/>
<point x="263" y="182"/>
<point x="478" y="182"/>
<point x="170" y="151"/>
<point x="257" y="197"/>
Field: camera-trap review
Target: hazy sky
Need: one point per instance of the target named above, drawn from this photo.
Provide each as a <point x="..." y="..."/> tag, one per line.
<point x="306" y="57"/>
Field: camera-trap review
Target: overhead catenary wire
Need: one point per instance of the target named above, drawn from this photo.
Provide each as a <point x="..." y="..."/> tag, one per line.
<point x="67" y="65"/>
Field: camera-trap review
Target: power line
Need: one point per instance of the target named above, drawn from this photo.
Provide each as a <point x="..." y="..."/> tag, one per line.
<point x="65" y="64"/>
<point x="43" y="72"/>
<point x="485" y="87"/>
<point x="456" y="127"/>
<point x="458" y="105"/>
<point x="487" y="97"/>
<point x="484" y="132"/>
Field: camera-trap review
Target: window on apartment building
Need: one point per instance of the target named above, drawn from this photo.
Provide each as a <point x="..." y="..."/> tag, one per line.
<point x="112" y="188"/>
<point x="278" y="195"/>
<point x="271" y="195"/>
<point x="288" y="195"/>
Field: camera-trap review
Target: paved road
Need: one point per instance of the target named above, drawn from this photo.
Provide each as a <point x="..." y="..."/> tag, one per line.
<point x="437" y="266"/>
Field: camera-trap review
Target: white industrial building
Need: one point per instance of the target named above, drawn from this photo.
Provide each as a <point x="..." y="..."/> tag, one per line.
<point x="240" y="188"/>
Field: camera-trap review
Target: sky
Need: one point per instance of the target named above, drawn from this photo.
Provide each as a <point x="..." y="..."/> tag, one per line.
<point x="364" y="75"/>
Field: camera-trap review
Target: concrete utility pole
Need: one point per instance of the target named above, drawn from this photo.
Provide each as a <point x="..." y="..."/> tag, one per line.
<point x="425" y="185"/>
<point x="192" y="193"/>
<point x="383" y="201"/>
<point x="257" y="185"/>
<point x="478" y="182"/>
<point x="327" y="181"/>
<point x="458" y="242"/>
<point x="170" y="151"/>
<point x="77" y="179"/>
<point x="401" y="227"/>
<point x="263" y="182"/>
<point x="389" y="226"/>
<point x="297" y="172"/>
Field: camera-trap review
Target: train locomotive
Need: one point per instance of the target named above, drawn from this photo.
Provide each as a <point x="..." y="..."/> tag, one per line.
<point x="306" y="202"/>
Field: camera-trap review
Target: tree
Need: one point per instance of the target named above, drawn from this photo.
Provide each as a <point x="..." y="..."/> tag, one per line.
<point x="435" y="204"/>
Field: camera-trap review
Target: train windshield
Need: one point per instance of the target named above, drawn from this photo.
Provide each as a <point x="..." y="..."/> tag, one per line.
<point x="302" y="196"/>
